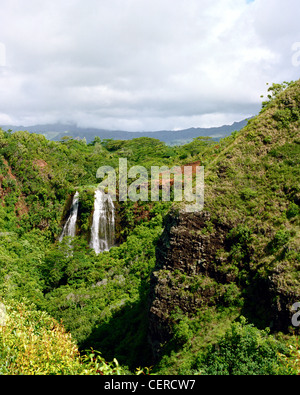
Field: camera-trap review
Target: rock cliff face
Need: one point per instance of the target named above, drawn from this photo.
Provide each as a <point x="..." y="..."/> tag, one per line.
<point x="193" y="272"/>
<point x="283" y="294"/>
<point x="187" y="275"/>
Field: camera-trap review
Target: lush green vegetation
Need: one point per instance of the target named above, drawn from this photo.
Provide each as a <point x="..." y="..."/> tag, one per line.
<point x="33" y="343"/>
<point x="224" y="348"/>
<point x="75" y="301"/>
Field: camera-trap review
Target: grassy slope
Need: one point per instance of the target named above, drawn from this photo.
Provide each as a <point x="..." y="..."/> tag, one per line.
<point x="255" y="182"/>
<point x="252" y="187"/>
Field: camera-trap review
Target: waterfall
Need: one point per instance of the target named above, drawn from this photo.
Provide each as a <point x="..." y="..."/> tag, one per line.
<point x="103" y="227"/>
<point x="70" y="226"/>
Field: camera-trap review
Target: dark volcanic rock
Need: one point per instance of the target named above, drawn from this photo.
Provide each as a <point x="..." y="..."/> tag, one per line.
<point x="192" y="273"/>
<point x="187" y="251"/>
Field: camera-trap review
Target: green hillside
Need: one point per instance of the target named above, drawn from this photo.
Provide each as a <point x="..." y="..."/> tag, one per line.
<point x="232" y="316"/>
<point x="240" y="257"/>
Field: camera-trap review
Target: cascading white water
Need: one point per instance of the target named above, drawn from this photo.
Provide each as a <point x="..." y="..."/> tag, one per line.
<point x="103" y="227"/>
<point x="70" y="226"/>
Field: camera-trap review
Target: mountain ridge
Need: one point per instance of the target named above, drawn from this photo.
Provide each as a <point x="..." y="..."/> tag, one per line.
<point x="58" y="131"/>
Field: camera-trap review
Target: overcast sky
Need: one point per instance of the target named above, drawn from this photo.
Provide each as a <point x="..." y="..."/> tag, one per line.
<point x="143" y="64"/>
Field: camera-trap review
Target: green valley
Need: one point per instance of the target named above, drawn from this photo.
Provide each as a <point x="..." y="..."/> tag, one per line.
<point x="209" y="292"/>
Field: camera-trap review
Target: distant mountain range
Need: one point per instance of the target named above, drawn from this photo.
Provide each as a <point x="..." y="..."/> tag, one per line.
<point x="58" y="131"/>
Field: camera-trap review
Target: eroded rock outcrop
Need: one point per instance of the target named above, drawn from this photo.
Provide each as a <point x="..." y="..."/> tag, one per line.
<point x="194" y="271"/>
<point x="187" y="274"/>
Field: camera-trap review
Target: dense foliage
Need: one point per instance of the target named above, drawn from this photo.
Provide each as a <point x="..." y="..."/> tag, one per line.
<point x="76" y="300"/>
<point x="33" y="343"/>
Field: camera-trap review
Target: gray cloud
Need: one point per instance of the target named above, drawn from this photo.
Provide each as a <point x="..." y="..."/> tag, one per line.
<point x="142" y="64"/>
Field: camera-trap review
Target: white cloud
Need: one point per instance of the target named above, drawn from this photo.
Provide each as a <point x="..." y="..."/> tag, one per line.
<point x="143" y="64"/>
